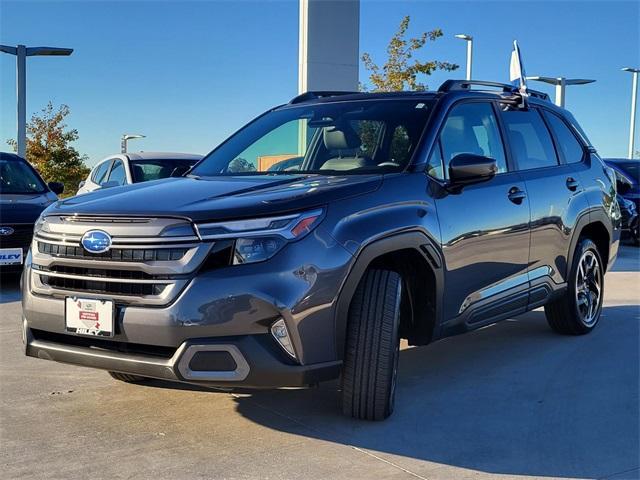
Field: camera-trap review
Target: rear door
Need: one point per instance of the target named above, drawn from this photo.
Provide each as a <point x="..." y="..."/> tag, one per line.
<point x="555" y="196"/>
<point x="484" y="227"/>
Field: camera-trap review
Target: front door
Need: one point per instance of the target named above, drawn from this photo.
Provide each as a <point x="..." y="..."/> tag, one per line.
<point x="484" y="227"/>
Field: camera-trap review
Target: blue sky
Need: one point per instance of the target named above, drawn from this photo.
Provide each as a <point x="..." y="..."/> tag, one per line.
<point x="187" y="74"/>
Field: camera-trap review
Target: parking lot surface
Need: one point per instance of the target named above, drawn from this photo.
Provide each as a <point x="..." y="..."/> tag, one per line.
<point x="512" y="400"/>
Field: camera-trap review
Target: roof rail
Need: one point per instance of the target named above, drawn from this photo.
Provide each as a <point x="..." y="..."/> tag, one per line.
<point x="303" y="97"/>
<point x="452" y="85"/>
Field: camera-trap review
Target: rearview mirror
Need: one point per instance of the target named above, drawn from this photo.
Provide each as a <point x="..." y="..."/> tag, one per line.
<point x="56" y="187"/>
<point x="466" y="168"/>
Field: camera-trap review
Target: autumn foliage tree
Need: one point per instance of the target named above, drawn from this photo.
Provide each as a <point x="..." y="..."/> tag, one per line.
<point x="50" y="151"/>
<point x="402" y="71"/>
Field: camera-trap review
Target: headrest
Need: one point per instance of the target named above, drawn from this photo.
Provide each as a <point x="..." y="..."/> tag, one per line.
<point x="340" y="138"/>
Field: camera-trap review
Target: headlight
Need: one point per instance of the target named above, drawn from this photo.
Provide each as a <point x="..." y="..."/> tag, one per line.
<point x="259" y="239"/>
<point x="39" y="225"/>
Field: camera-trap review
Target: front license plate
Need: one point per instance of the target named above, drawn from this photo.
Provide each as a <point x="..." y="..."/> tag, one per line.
<point x="89" y="316"/>
<point x="11" y="256"/>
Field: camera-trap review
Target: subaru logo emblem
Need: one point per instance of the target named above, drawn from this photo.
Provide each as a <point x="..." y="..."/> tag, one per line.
<point x="96" y="241"/>
<point x="4" y="231"/>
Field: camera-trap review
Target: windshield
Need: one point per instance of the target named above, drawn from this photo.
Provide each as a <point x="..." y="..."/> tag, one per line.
<point x="347" y="137"/>
<point x="19" y="178"/>
<point x="145" y="170"/>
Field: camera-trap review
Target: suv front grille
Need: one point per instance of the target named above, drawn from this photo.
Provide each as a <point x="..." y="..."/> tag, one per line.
<point x="96" y="286"/>
<point x="141" y="268"/>
<point x="115" y="254"/>
<point x="20" y="238"/>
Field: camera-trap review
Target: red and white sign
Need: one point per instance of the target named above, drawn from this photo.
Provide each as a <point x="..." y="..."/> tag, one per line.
<point x="89" y="316"/>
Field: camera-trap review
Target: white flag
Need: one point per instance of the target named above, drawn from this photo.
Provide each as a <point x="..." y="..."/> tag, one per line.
<point x="516" y="70"/>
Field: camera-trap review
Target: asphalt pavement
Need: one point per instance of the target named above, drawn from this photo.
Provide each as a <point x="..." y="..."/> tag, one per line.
<point x="513" y="400"/>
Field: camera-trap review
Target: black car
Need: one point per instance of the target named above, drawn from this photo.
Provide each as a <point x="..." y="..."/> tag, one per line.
<point x="628" y="186"/>
<point x="23" y="196"/>
<point x="415" y="215"/>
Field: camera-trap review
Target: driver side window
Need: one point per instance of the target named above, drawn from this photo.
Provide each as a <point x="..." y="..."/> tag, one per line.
<point x="469" y="128"/>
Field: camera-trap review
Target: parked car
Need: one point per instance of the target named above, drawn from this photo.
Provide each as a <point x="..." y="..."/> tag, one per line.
<point x="629" y="218"/>
<point x="628" y="186"/>
<point x="415" y="215"/>
<point x="127" y="168"/>
<point x="23" y="197"/>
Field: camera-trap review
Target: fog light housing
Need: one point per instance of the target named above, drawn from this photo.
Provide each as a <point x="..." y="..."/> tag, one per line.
<point x="281" y="334"/>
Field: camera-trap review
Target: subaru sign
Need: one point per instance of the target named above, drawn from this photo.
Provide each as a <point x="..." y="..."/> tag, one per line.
<point x="4" y="231"/>
<point x="96" y="241"/>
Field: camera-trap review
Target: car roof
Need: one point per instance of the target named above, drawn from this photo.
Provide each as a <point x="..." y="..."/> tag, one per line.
<point x="163" y="156"/>
<point x="621" y="160"/>
<point x="11" y="157"/>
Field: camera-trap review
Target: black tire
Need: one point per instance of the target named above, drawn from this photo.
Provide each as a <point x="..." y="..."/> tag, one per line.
<point x="128" y="378"/>
<point x="372" y="347"/>
<point x="564" y="314"/>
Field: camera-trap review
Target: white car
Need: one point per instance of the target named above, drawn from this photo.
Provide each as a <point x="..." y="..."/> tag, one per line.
<point x="127" y="168"/>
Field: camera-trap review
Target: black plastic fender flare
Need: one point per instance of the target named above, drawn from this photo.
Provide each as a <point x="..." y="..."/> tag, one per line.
<point x="416" y="240"/>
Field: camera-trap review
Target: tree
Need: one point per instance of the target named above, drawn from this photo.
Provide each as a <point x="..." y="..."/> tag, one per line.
<point x="50" y="151"/>
<point x="401" y="69"/>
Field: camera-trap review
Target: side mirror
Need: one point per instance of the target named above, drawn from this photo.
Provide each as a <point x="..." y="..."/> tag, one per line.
<point x="109" y="184"/>
<point x="466" y="169"/>
<point x="81" y="184"/>
<point x="56" y="187"/>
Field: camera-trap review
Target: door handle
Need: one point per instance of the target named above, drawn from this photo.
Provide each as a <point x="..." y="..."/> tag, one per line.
<point x="516" y="195"/>
<point x="572" y="184"/>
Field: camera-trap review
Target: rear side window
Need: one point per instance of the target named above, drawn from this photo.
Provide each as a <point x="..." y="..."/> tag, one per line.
<point x="472" y="128"/>
<point x="117" y="173"/>
<point x="568" y="143"/>
<point x="530" y="140"/>
<point x="101" y="172"/>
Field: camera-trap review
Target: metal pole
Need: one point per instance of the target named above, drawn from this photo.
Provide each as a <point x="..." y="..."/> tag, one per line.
<point x="561" y="87"/>
<point x="21" y="93"/>
<point x="632" y="125"/>
<point x="123" y="145"/>
<point x="469" y="57"/>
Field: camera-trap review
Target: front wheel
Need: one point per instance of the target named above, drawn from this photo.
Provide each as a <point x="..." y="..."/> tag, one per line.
<point x="373" y="347"/>
<point x="578" y="311"/>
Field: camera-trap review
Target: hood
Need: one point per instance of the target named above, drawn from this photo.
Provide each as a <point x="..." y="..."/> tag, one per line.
<point x="219" y="198"/>
<point x="23" y="208"/>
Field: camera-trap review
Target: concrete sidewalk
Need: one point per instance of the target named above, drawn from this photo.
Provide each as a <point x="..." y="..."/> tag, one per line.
<point x="511" y="400"/>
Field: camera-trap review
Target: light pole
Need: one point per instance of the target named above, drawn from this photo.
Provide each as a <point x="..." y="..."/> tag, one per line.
<point x="634" y="97"/>
<point x="561" y="85"/>
<point x="469" y="40"/>
<point x="125" y="137"/>
<point x="22" y="52"/>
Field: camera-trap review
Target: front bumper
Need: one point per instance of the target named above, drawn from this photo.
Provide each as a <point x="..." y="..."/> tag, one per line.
<point x="245" y="361"/>
<point x="227" y="310"/>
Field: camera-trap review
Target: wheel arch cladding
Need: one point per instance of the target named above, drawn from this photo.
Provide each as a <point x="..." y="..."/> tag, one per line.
<point x="409" y="253"/>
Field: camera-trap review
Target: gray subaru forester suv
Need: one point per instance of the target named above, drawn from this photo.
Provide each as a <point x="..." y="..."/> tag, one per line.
<point x="305" y="246"/>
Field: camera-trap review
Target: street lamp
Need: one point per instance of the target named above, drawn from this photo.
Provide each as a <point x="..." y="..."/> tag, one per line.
<point x="561" y="85"/>
<point x="634" y="97"/>
<point x="469" y="40"/>
<point x="125" y="137"/>
<point x="22" y="52"/>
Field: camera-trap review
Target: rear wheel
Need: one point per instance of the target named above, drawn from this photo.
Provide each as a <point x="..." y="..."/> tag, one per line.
<point x="126" y="377"/>
<point x="372" y="349"/>
<point x="578" y="311"/>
